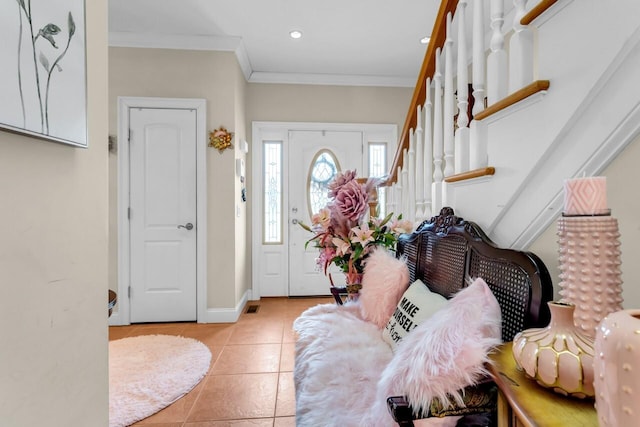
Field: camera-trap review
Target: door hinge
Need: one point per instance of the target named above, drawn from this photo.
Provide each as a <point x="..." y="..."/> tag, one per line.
<point x="129" y="136"/>
<point x="129" y="291"/>
<point x="128" y="213"/>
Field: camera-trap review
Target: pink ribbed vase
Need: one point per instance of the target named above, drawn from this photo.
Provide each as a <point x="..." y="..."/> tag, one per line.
<point x="590" y="276"/>
<point x="617" y="369"/>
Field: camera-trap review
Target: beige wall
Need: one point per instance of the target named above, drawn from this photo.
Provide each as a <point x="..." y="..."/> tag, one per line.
<point x="623" y="197"/>
<point x="53" y="265"/>
<point x="330" y="104"/>
<point x="172" y="73"/>
<point x="231" y="102"/>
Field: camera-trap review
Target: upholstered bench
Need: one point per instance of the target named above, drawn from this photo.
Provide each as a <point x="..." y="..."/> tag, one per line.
<point x="416" y="342"/>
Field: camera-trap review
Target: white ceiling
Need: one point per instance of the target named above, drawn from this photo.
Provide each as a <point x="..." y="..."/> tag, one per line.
<point x="359" y="42"/>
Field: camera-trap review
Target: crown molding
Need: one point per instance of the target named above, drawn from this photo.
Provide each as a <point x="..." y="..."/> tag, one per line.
<point x="174" y="41"/>
<point x="330" y="79"/>
<point x="235" y="44"/>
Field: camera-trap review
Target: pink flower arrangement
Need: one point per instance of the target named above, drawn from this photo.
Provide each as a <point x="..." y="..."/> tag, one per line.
<point x="344" y="233"/>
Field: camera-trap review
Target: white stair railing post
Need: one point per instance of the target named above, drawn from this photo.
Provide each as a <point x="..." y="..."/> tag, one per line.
<point x="447" y="114"/>
<point x="419" y="140"/>
<point x="398" y="192"/>
<point x="520" y="50"/>
<point x="497" y="71"/>
<point x="405" y="183"/>
<point x="411" y="177"/>
<point x="428" y="152"/>
<point x="391" y="197"/>
<point x="438" y="148"/>
<point x="462" y="133"/>
<point x="478" y="130"/>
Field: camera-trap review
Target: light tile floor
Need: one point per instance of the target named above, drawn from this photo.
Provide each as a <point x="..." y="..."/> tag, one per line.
<point x="250" y="381"/>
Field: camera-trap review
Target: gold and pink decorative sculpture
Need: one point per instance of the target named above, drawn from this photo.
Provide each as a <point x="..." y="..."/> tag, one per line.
<point x="559" y="356"/>
<point x="589" y="251"/>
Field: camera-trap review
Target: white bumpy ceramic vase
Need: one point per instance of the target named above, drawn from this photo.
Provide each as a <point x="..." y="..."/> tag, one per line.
<point x="617" y="369"/>
<point x="558" y="356"/>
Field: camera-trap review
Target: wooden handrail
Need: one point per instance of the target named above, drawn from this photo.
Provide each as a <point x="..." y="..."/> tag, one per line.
<point x="517" y="96"/>
<point x="536" y="11"/>
<point x="438" y="35"/>
<point x="476" y="173"/>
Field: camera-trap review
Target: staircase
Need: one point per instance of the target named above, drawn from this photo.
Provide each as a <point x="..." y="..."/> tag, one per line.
<point x="548" y="92"/>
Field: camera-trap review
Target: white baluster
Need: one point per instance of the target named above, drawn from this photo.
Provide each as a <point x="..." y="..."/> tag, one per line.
<point x="438" y="148"/>
<point x="447" y="111"/>
<point x="497" y="72"/>
<point x="419" y="140"/>
<point x="405" y="183"/>
<point x="411" y="177"/>
<point x="462" y="133"/>
<point x="391" y="198"/>
<point x="520" y="50"/>
<point x="478" y="130"/>
<point x="398" y="191"/>
<point x="428" y="151"/>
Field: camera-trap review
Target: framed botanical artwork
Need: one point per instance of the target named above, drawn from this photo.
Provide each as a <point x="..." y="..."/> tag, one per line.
<point x="43" y="78"/>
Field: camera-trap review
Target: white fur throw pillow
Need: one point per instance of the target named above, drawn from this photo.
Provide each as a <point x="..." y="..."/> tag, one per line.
<point x="385" y="279"/>
<point x="442" y="356"/>
<point x="415" y="306"/>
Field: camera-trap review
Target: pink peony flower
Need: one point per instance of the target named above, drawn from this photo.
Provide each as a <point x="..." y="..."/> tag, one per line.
<point x="339" y="181"/>
<point x="351" y="201"/>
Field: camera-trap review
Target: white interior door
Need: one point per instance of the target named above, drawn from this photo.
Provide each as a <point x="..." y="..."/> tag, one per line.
<point x="163" y="214"/>
<point x="315" y="156"/>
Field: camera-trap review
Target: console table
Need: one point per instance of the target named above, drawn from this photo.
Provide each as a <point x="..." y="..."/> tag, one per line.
<point x="524" y="403"/>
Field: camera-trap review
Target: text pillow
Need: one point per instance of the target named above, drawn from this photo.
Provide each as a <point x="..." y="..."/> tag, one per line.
<point x="385" y="279"/>
<point x="416" y="305"/>
<point x="447" y="353"/>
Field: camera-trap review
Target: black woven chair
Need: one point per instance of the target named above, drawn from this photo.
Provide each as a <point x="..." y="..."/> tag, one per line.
<point x="445" y="252"/>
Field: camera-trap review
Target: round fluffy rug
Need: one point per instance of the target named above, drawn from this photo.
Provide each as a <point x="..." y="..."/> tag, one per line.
<point x="149" y="372"/>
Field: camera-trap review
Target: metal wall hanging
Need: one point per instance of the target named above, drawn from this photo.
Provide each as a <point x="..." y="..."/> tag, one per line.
<point x="220" y="139"/>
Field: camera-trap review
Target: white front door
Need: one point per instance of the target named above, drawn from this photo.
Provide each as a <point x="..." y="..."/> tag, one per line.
<point x="315" y="157"/>
<point x="163" y="214"/>
<point x="282" y="155"/>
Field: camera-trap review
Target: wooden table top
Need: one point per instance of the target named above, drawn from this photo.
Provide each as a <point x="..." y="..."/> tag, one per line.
<point x="536" y="405"/>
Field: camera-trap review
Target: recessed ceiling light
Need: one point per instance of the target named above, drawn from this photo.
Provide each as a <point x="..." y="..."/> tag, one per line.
<point x="425" y="40"/>
<point x="295" y="34"/>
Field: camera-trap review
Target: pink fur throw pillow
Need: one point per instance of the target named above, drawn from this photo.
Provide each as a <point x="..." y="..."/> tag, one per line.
<point x="384" y="281"/>
<point x="447" y="353"/>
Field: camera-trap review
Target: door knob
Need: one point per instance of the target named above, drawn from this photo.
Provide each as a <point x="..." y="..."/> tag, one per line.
<point x="188" y="226"/>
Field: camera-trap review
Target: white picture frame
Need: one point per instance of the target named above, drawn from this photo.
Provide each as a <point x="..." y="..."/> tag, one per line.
<point x="43" y="69"/>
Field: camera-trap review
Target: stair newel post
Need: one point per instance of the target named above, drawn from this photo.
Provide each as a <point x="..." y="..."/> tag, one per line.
<point x="462" y="132"/>
<point x="411" y="177"/>
<point x="520" y="50"/>
<point x="428" y="152"/>
<point x="448" y="114"/>
<point x="437" y="137"/>
<point x="497" y="71"/>
<point x="419" y="177"/>
<point x="478" y="130"/>
<point x="405" y="182"/>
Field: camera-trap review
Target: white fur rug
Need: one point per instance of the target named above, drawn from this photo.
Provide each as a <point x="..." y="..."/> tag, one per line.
<point x="350" y="362"/>
<point x="149" y="372"/>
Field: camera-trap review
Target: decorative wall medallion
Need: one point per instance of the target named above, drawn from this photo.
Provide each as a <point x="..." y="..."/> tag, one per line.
<point x="220" y="139"/>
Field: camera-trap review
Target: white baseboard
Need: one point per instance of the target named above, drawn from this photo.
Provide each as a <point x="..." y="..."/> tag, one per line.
<point x="213" y="315"/>
<point x="225" y="315"/>
<point x="114" y="319"/>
